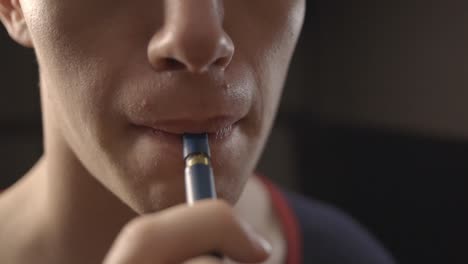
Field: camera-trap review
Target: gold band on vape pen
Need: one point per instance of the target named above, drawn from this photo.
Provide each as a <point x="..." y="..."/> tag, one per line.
<point x="197" y="159"/>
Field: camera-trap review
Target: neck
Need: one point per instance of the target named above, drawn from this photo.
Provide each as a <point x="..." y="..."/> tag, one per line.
<point x="75" y="218"/>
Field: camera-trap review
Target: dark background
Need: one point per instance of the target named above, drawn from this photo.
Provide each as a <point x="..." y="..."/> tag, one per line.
<point x="373" y="120"/>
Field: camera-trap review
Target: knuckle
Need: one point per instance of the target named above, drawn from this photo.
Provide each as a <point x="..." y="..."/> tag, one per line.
<point x="129" y="240"/>
<point x="224" y="213"/>
<point x="135" y="231"/>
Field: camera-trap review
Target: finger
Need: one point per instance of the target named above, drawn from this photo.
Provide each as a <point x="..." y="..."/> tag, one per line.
<point x="184" y="232"/>
<point x="204" y="260"/>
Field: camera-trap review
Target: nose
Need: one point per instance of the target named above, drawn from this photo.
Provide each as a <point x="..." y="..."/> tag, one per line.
<point x="192" y="37"/>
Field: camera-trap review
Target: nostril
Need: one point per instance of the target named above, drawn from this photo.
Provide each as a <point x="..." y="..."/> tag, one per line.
<point x="172" y="64"/>
<point x="222" y="62"/>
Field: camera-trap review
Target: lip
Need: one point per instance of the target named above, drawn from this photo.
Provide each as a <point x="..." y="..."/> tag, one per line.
<point x="213" y="125"/>
<point x="217" y="128"/>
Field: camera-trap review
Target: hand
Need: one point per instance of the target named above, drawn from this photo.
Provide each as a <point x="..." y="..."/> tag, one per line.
<point x="184" y="234"/>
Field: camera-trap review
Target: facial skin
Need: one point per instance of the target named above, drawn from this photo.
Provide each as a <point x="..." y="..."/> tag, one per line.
<point x="109" y="69"/>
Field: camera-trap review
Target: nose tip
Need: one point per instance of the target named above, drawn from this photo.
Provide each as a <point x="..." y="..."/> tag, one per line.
<point x="192" y="38"/>
<point x="190" y="50"/>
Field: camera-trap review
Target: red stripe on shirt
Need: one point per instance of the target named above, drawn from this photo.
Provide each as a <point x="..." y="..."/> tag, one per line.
<point x="289" y="223"/>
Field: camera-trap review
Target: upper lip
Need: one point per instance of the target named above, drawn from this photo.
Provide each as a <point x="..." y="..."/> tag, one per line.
<point x="186" y="103"/>
<point x="181" y="126"/>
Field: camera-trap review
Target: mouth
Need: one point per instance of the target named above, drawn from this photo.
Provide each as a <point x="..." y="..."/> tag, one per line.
<point x="217" y="128"/>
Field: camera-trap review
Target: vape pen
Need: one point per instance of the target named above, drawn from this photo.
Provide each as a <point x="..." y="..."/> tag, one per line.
<point x="199" y="182"/>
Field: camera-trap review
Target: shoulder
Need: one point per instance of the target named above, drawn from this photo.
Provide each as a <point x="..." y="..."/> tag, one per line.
<point x="331" y="236"/>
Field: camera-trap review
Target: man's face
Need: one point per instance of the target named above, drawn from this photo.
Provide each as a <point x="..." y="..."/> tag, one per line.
<point x="121" y="80"/>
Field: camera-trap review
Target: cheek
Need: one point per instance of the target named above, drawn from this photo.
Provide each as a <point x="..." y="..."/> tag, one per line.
<point x="74" y="58"/>
<point x="268" y="44"/>
<point x="66" y="33"/>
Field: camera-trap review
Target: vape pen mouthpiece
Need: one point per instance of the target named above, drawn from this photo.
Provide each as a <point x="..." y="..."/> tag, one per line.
<point x="196" y="144"/>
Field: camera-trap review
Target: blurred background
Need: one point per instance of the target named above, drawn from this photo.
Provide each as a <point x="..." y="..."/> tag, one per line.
<point x="373" y="120"/>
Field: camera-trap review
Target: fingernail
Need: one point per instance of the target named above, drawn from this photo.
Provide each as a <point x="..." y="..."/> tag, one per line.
<point x="261" y="243"/>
